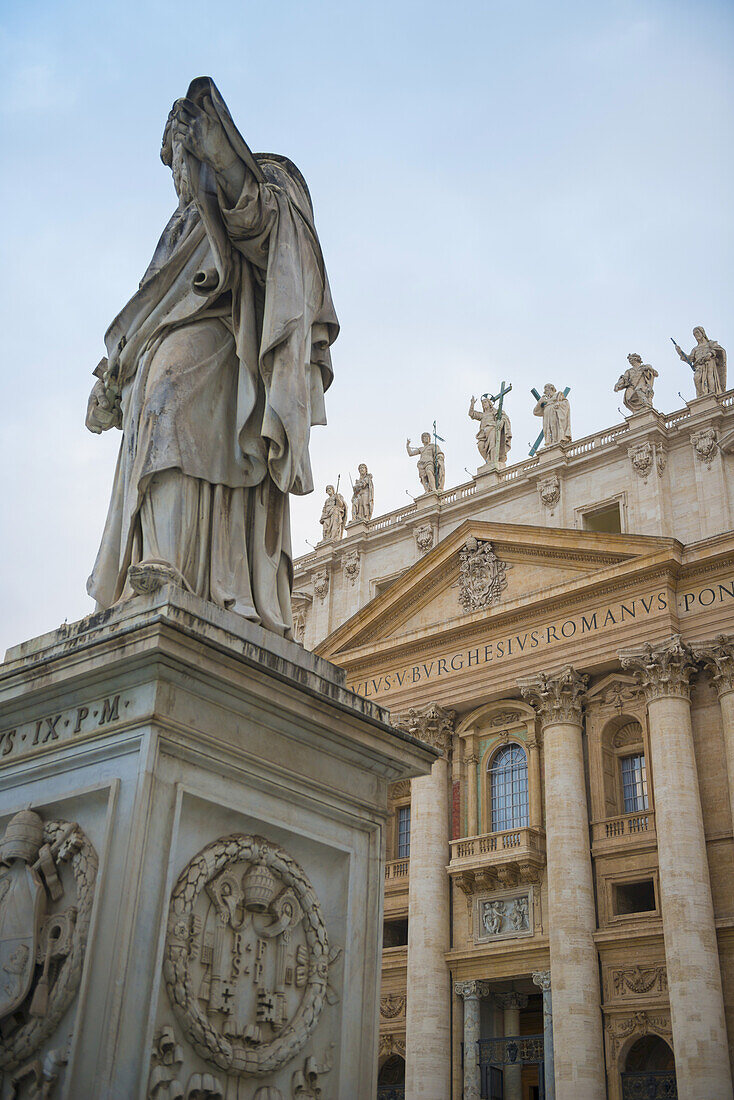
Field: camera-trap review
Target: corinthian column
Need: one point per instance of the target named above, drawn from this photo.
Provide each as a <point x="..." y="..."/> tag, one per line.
<point x="718" y="657"/>
<point x="427" y="1033"/>
<point x="577" y="1034"/>
<point x="471" y="992"/>
<point x="511" y="1003"/>
<point x="542" y="978"/>
<point x="691" y="951"/>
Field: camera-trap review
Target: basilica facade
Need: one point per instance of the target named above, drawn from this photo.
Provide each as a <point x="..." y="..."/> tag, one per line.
<point x="559" y="897"/>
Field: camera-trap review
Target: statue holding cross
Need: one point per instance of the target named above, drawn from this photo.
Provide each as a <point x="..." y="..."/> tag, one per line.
<point x="553" y="406"/>
<point x="494" y="437"/>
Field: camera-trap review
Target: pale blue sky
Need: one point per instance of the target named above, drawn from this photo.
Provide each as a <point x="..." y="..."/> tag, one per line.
<point x="503" y="190"/>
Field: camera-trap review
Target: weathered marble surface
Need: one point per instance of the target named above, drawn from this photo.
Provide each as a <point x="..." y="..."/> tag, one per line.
<point x="431" y="463"/>
<point x="215" y="372"/>
<point x="494" y="437"/>
<point x="333" y="515"/>
<point x="555" y="410"/>
<point x="708" y="361"/>
<point x="229" y="793"/>
<point x="363" y="496"/>
<point x="637" y="382"/>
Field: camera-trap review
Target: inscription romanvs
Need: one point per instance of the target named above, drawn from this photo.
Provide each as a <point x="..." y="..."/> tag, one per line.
<point x="545" y="635"/>
<point x="247" y="956"/>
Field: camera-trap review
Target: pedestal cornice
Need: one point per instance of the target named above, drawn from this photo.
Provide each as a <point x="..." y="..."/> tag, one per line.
<point x="557" y="698"/>
<point x="663" y="669"/>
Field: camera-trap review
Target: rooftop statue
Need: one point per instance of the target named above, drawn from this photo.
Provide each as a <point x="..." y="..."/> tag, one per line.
<point x="555" y="409"/>
<point x="215" y="372"/>
<point x="637" y="382"/>
<point x="707" y="360"/>
<point x="363" y="496"/>
<point x="494" y="437"/>
<point x="431" y="464"/>
<point x="333" y="515"/>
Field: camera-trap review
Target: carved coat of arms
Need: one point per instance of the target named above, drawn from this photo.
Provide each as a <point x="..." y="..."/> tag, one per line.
<point x="482" y="576"/>
<point x="42" y="943"/>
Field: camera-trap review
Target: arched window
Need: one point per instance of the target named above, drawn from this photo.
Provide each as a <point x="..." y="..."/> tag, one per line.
<point x="508" y="784"/>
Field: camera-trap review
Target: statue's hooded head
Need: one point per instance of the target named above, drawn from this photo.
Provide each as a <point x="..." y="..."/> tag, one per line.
<point x="362" y="469"/>
<point x="549" y="389"/>
<point x="700" y="334"/>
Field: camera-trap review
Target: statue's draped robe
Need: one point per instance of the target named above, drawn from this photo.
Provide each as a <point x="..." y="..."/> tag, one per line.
<point x="219" y="391"/>
<point x="709" y="368"/>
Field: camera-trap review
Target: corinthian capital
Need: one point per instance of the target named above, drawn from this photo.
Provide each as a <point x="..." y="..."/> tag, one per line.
<point x="556" y="698"/>
<point x="661" y="669"/>
<point x="471" y="989"/>
<point x="434" y="725"/>
<point x="718" y="657"/>
<point x="542" y="978"/>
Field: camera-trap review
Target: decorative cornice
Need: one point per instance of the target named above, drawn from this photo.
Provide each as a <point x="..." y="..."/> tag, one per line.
<point x="663" y="669"/>
<point x="435" y="725"/>
<point x="471" y="989"/>
<point x="557" y="698"/>
<point x="718" y="658"/>
<point x="542" y="978"/>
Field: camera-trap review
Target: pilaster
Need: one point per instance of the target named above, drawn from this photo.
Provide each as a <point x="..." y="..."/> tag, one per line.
<point x="542" y="978"/>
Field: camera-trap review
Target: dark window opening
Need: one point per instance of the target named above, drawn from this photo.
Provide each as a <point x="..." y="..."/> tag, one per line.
<point x="634" y="897"/>
<point x="607" y="520"/>
<point x="395" y="933"/>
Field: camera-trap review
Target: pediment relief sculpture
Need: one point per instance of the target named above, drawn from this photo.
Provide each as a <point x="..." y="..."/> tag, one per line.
<point x="482" y="577"/>
<point x="48" y="873"/>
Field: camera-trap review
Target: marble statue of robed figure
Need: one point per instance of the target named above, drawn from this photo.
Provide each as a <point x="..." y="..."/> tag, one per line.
<point x="216" y="371"/>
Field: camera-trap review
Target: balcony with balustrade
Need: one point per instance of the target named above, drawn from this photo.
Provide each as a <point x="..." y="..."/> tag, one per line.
<point x="624" y="833"/>
<point x="397" y="876"/>
<point x="498" y="859"/>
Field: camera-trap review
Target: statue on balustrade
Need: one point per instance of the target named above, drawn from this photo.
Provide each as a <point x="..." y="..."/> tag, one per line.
<point x="363" y="496"/>
<point x="555" y="409"/>
<point x="333" y="515"/>
<point x="707" y="360"/>
<point x="215" y="372"/>
<point x="494" y="437"/>
<point x="637" y="382"/>
<point x="431" y="464"/>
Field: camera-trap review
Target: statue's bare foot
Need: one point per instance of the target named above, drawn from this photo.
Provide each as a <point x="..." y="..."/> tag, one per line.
<point x="149" y="576"/>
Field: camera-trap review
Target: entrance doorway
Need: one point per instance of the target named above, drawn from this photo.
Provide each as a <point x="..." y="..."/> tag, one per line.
<point x="649" y="1070"/>
<point x="391" y="1079"/>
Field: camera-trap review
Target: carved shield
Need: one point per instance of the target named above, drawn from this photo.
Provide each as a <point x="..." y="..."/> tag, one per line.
<point x="22" y="903"/>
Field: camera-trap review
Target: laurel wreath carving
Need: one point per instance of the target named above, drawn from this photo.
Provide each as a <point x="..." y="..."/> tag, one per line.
<point x="27" y="1039"/>
<point x="238" y="1057"/>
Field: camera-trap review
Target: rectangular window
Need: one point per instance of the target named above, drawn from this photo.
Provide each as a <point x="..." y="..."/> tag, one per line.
<point x="404" y="832"/>
<point x="634" y="783"/>
<point x="607" y="520"/>
<point x="634" y="897"/>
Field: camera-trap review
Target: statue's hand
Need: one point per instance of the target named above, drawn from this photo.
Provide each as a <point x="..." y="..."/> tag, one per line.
<point x="102" y="414"/>
<point x="203" y="136"/>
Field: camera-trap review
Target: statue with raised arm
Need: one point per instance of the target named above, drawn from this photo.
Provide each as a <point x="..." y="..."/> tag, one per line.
<point x="431" y="464"/>
<point x="637" y="382"/>
<point x="333" y="515"/>
<point x="555" y="409"/>
<point x="494" y="437"/>
<point x="215" y="372"/>
<point x="708" y="362"/>
<point x="363" y="496"/>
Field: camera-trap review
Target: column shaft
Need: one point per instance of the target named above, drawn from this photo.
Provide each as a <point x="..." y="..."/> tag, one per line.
<point x="427" y="1039"/>
<point x="536" y="811"/>
<point x="691" y="950"/>
<point x="512" y="1073"/>
<point x="542" y="978"/>
<point x="472" y="823"/>
<point x="472" y="1081"/>
<point x="577" y="1036"/>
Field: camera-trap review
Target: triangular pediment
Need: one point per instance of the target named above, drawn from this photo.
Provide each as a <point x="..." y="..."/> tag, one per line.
<point x="534" y="563"/>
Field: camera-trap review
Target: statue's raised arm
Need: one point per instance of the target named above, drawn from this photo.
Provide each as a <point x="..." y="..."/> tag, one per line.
<point x="217" y="369"/>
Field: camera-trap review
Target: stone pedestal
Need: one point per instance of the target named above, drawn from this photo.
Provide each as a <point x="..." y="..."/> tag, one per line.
<point x="577" y="1040"/>
<point x="691" y="951"/>
<point x="427" y="1031"/>
<point x="204" y="859"/>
